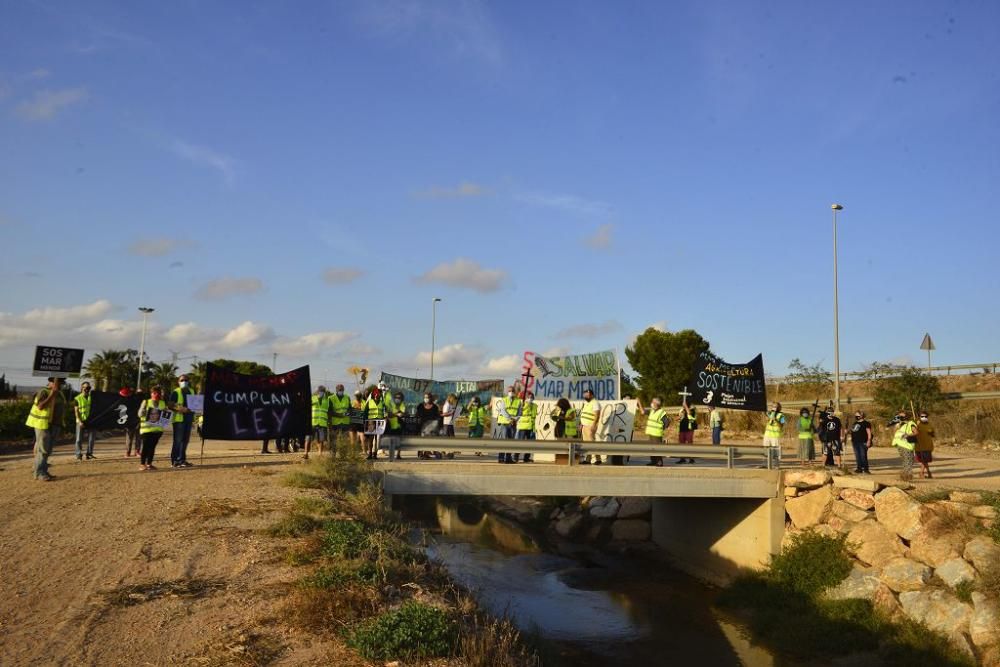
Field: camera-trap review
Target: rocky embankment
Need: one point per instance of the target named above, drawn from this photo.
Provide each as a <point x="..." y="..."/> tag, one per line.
<point x="932" y="562"/>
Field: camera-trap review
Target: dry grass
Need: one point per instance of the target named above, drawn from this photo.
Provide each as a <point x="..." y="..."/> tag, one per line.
<point x="133" y="594"/>
<point x="494" y="642"/>
<point x="328" y="611"/>
<point x="246" y="649"/>
<point x="258" y="470"/>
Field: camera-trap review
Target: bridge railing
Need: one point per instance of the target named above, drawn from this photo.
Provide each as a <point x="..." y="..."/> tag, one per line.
<point x="574" y="449"/>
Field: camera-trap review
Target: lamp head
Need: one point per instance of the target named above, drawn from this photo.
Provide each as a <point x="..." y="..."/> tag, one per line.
<point x="836" y="207"/>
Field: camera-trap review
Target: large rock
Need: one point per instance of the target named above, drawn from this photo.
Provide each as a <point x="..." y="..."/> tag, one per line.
<point x="871" y="543"/>
<point x="938" y="610"/>
<point x="954" y="571"/>
<point x="569" y="525"/>
<point x="606" y="511"/>
<point x="884" y="600"/>
<point x="860" y="483"/>
<point x="967" y="497"/>
<point x="808" y="510"/>
<point x="934" y="550"/>
<point x="984" y="627"/>
<point x="791" y="491"/>
<point x="807" y="479"/>
<point x="982" y="552"/>
<point x="826" y="530"/>
<point x="633" y="508"/>
<point x="840" y="525"/>
<point x="902" y="574"/>
<point x="900" y="513"/>
<point x="983" y="512"/>
<point x="848" y="512"/>
<point x="630" y="530"/>
<point x="863" y="500"/>
<point x="861" y="584"/>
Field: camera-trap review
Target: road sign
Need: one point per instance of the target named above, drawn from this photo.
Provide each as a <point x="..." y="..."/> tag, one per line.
<point x="927" y="343"/>
<point x="57" y="362"/>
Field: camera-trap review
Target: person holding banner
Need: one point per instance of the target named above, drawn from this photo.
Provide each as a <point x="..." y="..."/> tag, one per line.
<point x="357" y="430"/>
<point x="772" y="436"/>
<point x="321" y="407"/>
<point x="375" y="407"/>
<point x="564" y="416"/>
<point x="183" y="421"/>
<point x="526" y="424"/>
<point x="81" y="407"/>
<point x="131" y="432"/>
<point x="340" y="419"/>
<point x="45" y="415"/>
<point x="477" y="418"/>
<point x="150" y="426"/>
<point x="687" y="422"/>
<point x="510" y="410"/>
<point x="590" y="415"/>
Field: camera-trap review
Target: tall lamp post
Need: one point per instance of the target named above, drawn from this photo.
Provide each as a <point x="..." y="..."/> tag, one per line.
<point x="142" y="344"/>
<point x="836" y="315"/>
<point x="434" y="304"/>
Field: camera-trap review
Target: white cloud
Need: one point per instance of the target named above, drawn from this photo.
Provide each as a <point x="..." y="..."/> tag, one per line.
<point x="222" y="288"/>
<point x="508" y="363"/>
<point x="247" y="333"/>
<point x="45" y="104"/>
<point x="600" y="239"/>
<point x="313" y="342"/>
<point x="193" y="337"/>
<point x="456" y="354"/>
<point x="460" y="191"/>
<point x="341" y="275"/>
<point x="73" y="316"/>
<point x="466" y="274"/>
<point x="156" y="247"/>
<point x="464" y="27"/>
<point x="557" y="351"/>
<point x="589" y="330"/>
<point x="569" y="203"/>
<point x="660" y="325"/>
<point x="207" y="157"/>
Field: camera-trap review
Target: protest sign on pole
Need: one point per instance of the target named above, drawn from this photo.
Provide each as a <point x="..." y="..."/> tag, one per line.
<point x="414" y="388"/>
<point x="110" y="410"/>
<point x="733" y="386"/>
<point x="256" y="407"/>
<point x="57" y="362"/>
<point x="570" y="375"/>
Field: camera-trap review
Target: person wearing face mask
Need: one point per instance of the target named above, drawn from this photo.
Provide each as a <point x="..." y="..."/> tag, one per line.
<point x="45" y="415"/>
<point x="376" y="407"/>
<point x="449" y="410"/>
<point x="831" y="433"/>
<point x="182" y="422"/>
<point x="925" y="445"/>
<point x="357" y="422"/>
<point x="506" y="420"/>
<point x="477" y="415"/>
<point x="429" y="417"/>
<point x="397" y="410"/>
<point x="590" y="415"/>
<point x="321" y="407"/>
<point x="81" y="408"/>
<point x="526" y="424"/>
<point x="904" y="440"/>
<point x="806" y="428"/>
<point x="340" y="420"/>
<point x="150" y="430"/>
<point x="861" y="442"/>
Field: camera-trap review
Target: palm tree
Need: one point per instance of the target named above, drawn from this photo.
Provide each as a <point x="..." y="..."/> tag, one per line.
<point x="197" y="376"/>
<point x="105" y="367"/>
<point x="163" y="375"/>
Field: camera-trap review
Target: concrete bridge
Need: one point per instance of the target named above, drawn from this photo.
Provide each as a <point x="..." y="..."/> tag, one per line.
<point x="711" y="520"/>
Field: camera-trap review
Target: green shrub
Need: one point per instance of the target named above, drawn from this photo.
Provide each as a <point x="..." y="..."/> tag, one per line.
<point x="412" y="631"/>
<point x="341" y="573"/>
<point x="963" y="591"/>
<point x="345" y="539"/>
<point x="294" y="525"/>
<point x="12" y="416"/>
<point x="811" y="564"/>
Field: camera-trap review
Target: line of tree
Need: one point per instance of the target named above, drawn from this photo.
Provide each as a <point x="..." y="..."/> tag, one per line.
<point x="6" y="390"/>
<point x="113" y="369"/>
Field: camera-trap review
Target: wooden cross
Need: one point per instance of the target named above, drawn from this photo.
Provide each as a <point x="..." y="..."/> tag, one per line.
<point x="684" y="394"/>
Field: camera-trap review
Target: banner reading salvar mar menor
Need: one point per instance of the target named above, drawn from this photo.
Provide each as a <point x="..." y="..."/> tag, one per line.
<point x="725" y="385"/>
<point x="256" y="407"/>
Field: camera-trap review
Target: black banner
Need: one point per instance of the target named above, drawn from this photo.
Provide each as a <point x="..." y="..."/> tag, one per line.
<point x="732" y="386"/>
<point x="110" y="411"/>
<point x="255" y="407"/>
<point x="57" y="362"/>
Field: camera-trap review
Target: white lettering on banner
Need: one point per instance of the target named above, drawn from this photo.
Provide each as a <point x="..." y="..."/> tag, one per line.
<point x="615" y="423"/>
<point x="569" y="376"/>
<point x="259" y="420"/>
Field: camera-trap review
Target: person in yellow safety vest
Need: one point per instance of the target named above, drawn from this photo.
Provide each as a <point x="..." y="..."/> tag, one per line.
<point x="526" y="424"/>
<point x="657" y="422"/>
<point x="564" y="416"/>
<point x="44" y="417"/>
<point x="905" y="440"/>
<point x="510" y="410"/>
<point x="772" y="435"/>
<point x="321" y="406"/>
<point x="807" y="447"/>
<point x="182" y="423"/>
<point x="375" y="408"/>
<point x="397" y="410"/>
<point x="150" y="429"/>
<point x="356" y="429"/>
<point x="477" y="415"/>
<point x="340" y="420"/>
<point x="590" y="415"/>
<point x="81" y="407"/>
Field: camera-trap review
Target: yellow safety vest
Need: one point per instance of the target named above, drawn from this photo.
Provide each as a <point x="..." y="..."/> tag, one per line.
<point x="341" y="404"/>
<point x="903" y="430"/>
<point x="526" y="422"/>
<point x="654" y="424"/>
<point x="38" y="418"/>
<point x="805" y="428"/>
<point x="773" y="428"/>
<point x="512" y="405"/>
<point x="179" y="400"/>
<point x="83" y="405"/>
<point x="394" y="410"/>
<point x="375" y="408"/>
<point x="477" y="416"/>
<point x="588" y="414"/>
<point x="320" y="411"/>
<point x="144" y="426"/>
<point x="571" y="429"/>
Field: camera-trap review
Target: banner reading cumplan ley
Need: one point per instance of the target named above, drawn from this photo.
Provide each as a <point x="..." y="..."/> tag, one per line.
<point x="570" y="375"/>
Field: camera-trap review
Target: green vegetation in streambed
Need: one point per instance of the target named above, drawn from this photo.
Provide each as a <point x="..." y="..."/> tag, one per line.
<point x="369" y="586"/>
<point x="786" y="610"/>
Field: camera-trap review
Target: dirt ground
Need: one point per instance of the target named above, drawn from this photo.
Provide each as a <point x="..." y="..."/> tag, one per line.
<point x="108" y="565"/>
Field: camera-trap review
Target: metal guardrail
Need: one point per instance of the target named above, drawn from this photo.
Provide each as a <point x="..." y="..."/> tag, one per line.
<point x="573" y="449"/>
<point x="993" y="366"/>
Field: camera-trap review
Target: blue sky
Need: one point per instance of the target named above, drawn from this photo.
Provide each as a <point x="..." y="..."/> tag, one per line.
<point x="303" y="178"/>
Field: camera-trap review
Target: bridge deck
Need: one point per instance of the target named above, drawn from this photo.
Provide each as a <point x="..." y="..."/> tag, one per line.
<point x="490" y="479"/>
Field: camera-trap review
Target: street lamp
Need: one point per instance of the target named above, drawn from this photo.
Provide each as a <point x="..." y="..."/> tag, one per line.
<point x="142" y="344"/>
<point x="434" y="304"/>
<point x="836" y="316"/>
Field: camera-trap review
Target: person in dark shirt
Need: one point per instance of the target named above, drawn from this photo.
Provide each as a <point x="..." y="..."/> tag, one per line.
<point x="861" y="441"/>
<point x="830" y="434"/>
<point x="429" y="417"/>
